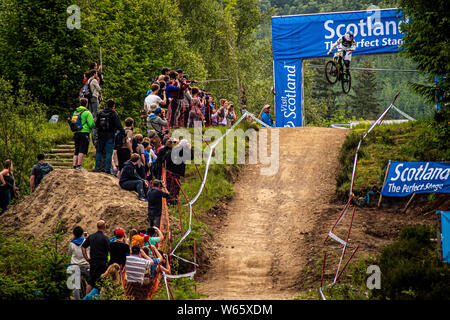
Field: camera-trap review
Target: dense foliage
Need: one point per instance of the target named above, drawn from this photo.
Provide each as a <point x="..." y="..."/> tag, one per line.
<point x="41" y="276"/>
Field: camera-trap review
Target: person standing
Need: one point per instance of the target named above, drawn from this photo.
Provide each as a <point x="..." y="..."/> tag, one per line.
<point x="98" y="256"/>
<point x="7" y="185"/>
<point x="77" y="257"/>
<point x="107" y="123"/>
<point x="81" y="137"/>
<point x="124" y="152"/>
<point x="195" y="114"/>
<point x="266" y="117"/>
<point x="154" y="197"/>
<point x="119" y="249"/>
<point x="38" y="171"/>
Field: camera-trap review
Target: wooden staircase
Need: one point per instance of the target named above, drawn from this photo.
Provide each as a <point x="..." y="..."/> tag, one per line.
<point x="61" y="157"/>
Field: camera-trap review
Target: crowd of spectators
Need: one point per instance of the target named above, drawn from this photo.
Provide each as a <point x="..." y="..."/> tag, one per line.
<point x="137" y="160"/>
<point x="136" y="259"/>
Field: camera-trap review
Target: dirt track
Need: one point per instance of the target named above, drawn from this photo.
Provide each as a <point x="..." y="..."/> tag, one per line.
<point x="259" y="251"/>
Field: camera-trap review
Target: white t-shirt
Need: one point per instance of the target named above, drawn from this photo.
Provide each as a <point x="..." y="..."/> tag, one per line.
<point x="151" y="98"/>
<point x="136" y="267"/>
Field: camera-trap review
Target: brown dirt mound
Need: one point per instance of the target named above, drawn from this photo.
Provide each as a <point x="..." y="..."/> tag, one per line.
<point x="68" y="198"/>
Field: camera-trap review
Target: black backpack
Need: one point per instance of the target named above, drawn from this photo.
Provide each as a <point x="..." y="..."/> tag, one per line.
<point x="43" y="169"/>
<point x="86" y="91"/>
<point x="105" y="121"/>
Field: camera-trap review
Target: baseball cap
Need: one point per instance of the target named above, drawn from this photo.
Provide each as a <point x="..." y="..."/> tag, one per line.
<point x="119" y="233"/>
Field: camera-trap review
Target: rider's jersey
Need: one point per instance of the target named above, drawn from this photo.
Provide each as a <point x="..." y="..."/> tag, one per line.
<point x="344" y="45"/>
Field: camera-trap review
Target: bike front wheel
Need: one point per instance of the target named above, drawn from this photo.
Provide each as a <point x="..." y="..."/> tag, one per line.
<point x="346" y="82"/>
<point x="331" y="72"/>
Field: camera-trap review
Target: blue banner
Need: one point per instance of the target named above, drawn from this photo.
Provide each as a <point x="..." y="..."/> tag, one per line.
<point x="288" y="97"/>
<point x="311" y="35"/>
<point x="405" y="178"/>
<point x="299" y="37"/>
<point x="445" y="234"/>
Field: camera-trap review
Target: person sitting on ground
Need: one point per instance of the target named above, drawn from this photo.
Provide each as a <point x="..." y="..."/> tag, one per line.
<point x="154" y="196"/>
<point x="77" y="257"/>
<point x="119" y="249"/>
<point x="156" y="121"/>
<point x="98" y="256"/>
<point x="130" y="179"/>
<point x="266" y="117"/>
<point x="38" y="171"/>
<point x="8" y="186"/>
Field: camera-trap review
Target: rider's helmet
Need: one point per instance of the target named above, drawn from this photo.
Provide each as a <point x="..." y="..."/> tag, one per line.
<point x="348" y="36"/>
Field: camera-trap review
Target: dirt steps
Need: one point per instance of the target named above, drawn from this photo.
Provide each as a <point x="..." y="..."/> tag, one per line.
<point x="61" y="157"/>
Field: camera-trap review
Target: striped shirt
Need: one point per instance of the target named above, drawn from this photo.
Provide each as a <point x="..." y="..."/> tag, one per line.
<point x="136" y="267"/>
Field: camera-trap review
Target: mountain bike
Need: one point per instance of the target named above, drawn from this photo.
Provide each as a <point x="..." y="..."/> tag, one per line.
<point x="334" y="71"/>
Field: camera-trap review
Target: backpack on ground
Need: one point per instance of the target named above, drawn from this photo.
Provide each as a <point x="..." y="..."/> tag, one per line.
<point x="86" y="91"/>
<point x="75" y="122"/>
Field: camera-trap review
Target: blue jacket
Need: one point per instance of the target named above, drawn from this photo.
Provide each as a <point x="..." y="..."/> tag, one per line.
<point x="267" y="119"/>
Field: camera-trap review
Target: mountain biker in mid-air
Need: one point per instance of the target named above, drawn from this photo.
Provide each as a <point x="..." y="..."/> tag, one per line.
<point x="346" y="45"/>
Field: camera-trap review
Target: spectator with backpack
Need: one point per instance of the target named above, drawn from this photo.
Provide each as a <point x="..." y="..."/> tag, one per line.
<point x="107" y="123"/>
<point x="38" y="171"/>
<point x="81" y="123"/>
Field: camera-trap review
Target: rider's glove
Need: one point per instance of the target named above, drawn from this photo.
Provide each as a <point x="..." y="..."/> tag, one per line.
<point x="329" y="52"/>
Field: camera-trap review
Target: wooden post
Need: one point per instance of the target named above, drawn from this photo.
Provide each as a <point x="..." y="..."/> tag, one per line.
<point x="407" y="204"/>
<point x="438" y="235"/>
<point x="195" y="261"/>
<point x="179" y="213"/>
<point x="385" y="177"/>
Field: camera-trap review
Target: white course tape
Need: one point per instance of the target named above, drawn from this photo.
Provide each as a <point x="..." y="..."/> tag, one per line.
<point x="403" y="114"/>
<point x="321" y="294"/>
<point x="178" y="276"/>
<point x="335" y="237"/>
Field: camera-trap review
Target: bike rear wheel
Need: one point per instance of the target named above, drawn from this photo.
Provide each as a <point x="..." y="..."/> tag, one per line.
<point x="331" y="72"/>
<point x="346" y="82"/>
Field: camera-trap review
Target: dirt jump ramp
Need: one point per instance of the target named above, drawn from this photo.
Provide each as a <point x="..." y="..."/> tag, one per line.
<point x="259" y="253"/>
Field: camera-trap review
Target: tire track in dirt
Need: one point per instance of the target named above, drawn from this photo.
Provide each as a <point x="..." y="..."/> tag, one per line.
<point x="258" y="252"/>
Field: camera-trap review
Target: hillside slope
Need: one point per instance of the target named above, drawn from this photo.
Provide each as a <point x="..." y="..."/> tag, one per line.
<point x="259" y="251"/>
<point x="69" y="198"/>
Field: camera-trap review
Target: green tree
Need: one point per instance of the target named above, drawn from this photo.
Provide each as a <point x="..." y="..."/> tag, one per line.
<point x="426" y="43"/>
<point x="37" y="43"/>
<point x="362" y="100"/>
